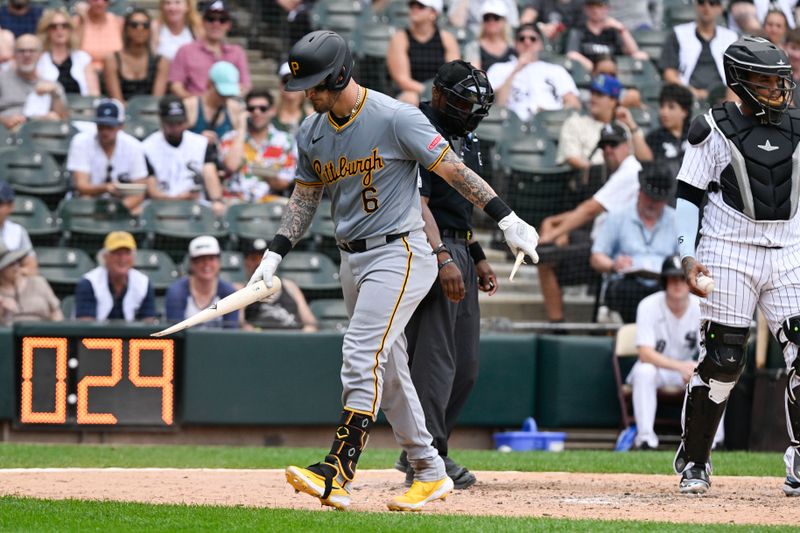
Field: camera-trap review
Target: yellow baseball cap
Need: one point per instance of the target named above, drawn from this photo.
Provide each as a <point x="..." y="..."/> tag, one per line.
<point x="119" y="239"/>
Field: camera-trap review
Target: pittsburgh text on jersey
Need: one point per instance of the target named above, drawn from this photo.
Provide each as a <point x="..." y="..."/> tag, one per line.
<point x="330" y="173"/>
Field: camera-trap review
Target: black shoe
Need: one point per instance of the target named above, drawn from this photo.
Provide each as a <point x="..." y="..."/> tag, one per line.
<point x="695" y="480"/>
<point x="462" y="478"/>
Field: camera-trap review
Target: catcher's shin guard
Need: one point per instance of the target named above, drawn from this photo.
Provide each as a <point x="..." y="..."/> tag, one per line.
<point x="351" y="438"/>
<point x="792" y="405"/>
<point x="709" y="389"/>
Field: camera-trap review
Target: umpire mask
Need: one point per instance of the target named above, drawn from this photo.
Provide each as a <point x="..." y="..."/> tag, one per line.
<point x="467" y="93"/>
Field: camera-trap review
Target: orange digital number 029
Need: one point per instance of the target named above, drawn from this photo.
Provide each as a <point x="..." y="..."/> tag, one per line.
<point x="59" y="413"/>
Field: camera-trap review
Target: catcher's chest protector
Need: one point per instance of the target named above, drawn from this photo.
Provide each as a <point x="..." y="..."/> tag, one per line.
<point x="762" y="180"/>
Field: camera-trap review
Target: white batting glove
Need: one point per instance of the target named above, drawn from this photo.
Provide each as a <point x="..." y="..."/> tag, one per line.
<point x="265" y="271"/>
<point x="520" y="236"/>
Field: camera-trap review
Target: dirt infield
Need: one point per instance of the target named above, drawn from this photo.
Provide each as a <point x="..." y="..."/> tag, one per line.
<point x="732" y="500"/>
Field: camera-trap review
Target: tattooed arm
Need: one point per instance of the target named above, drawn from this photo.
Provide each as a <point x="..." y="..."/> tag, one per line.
<point x="299" y="212"/>
<point x="463" y="179"/>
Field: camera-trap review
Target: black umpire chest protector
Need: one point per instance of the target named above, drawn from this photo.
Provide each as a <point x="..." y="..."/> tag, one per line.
<point x="762" y="180"/>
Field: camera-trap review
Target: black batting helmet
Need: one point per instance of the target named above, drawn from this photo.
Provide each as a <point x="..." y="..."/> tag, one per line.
<point x="671" y="268"/>
<point x="759" y="56"/>
<point x="320" y="57"/>
<point x="468" y="95"/>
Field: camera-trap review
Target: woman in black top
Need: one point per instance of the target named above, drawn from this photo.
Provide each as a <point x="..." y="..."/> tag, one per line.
<point x="494" y="44"/>
<point x="416" y="54"/>
<point x="61" y="60"/>
<point x="135" y="69"/>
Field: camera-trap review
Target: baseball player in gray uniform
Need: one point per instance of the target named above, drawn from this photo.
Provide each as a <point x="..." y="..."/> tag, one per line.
<point x="746" y="159"/>
<point x="364" y="148"/>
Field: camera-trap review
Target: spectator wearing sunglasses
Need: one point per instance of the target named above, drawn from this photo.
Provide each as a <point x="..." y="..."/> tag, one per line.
<point x="600" y="34"/>
<point x="415" y="54"/>
<point x="289" y="112"/>
<point x="61" y="60"/>
<point x="469" y="14"/>
<point x="188" y="73"/>
<point x="100" y="30"/>
<point x="260" y="159"/>
<point x="20" y="17"/>
<point x="747" y="16"/>
<point x="135" y="70"/>
<point x="493" y="44"/>
<point x="525" y="84"/>
<point x="692" y="55"/>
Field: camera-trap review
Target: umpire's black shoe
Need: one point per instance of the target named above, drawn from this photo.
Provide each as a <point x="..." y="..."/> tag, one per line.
<point x="462" y="478"/>
<point x="695" y="480"/>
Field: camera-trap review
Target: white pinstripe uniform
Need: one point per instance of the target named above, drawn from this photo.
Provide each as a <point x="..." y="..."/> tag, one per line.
<point x="753" y="263"/>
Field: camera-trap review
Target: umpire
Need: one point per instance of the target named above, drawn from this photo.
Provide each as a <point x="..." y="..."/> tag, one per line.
<point x="444" y="331"/>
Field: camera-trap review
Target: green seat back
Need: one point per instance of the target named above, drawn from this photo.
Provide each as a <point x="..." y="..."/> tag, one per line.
<point x="331" y="313"/>
<point x="247" y="222"/>
<point x="144" y="108"/>
<point x="48" y="136"/>
<point x="315" y="273"/>
<point x="32" y="213"/>
<point x="87" y="221"/>
<point x="158" y="266"/>
<point x="63" y="267"/>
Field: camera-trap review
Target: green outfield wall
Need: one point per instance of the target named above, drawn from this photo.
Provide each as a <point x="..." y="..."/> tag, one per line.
<point x="289" y="378"/>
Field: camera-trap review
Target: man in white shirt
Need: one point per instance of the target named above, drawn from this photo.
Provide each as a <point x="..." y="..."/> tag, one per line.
<point x="12" y="235"/>
<point x="182" y="163"/>
<point x="667" y="328"/>
<point x="102" y="160"/>
<point x="621" y="188"/>
<point x="525" y="84"/>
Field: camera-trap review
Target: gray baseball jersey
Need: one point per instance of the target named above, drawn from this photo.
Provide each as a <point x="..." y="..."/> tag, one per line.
<point x="369" y="165"/>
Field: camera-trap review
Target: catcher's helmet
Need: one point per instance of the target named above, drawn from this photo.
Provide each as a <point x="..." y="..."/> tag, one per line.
<point x="759" y="56"/>
<point x="320" y="57"/>
<point x="671" y="267"/>
<point x="468" y="95"/>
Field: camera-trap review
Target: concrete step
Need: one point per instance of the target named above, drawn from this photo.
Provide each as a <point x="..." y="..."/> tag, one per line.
<point x="530" y="307"/>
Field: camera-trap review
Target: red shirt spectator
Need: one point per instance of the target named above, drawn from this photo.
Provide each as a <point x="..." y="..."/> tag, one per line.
<point x="188" y="73"/>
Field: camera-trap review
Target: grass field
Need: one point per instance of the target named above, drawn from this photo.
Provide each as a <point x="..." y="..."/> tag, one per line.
<point x="24" y="514"/>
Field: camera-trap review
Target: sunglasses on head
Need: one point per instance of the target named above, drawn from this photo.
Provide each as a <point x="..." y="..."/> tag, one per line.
<point x="262" y="108"/>
<point x="222" y="19"/>
<point x="491" y="17"/>
<point x="136" y="24"/>
<point x="529" y="38"/>
<point x="58" y="26"/>
<point x="709" y="2"/>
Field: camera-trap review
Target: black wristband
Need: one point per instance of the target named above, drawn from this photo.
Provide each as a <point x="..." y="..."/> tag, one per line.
<point x="281" y="245"/>
<point x="446" y="262"/>
<point x="497" y="209"/>
<point x="476" y="252"/>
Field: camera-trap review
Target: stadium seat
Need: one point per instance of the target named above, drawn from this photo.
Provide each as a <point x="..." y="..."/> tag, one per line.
<point x="42" y="226"/>
<point x="550" y="122"/>
<point x="315" y="274"/>
<point x="581" y="76"/>
<point x="68" y="307"/>
<point x="87" y="221"/>
<point x="158" y="266"/>
<point x="623" y="358"/>
<point x="63" y="267"/>
<point x="140" y="129"/>
<point x="170" y="225"/>
<point x="331" y="314"/>
<point x="35" y="173"/>
<point x="48" y="136"/>
<point x="143" y="108"/>
<point x="341" y="16"/>
<point x="678" y="13"/>
<point x="247" y="222"/>
<point x="231" y="267"/>
<point x="397" y="13"/>
<point x="81" y="107"/>
<point x="527" y="151"/>
<point x="651" y="41"/>
<point x="372" y="44"/>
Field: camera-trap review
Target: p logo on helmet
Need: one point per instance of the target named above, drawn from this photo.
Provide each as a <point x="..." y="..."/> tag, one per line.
<point x="295" y="66"/>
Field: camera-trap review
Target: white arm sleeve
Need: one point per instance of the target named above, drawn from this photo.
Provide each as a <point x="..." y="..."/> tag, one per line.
<point x="687" y="220"/>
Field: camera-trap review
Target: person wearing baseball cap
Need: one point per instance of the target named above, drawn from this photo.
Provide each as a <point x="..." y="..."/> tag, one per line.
<point x="182" y="163"/>
<point x="493" y="44"/>
<point x="202" y="286"/>
<point x="100" y="160"/>
<point x="416" y="53"/>
<point x="288" y="309"/>
<point x="114" y="290"/>
<point x="667" y="342"/>
<point x="12" y="235"/>
<point x="189" y="71"/>
<point x="24" y="296"/>
<point x="636" y="237"/>
<point x="217" y="102"/>
<point x="289" y="109"/>
<point x="621" y="187"/>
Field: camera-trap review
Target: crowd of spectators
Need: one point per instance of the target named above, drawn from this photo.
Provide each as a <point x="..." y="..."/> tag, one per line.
<point x="221" y="141"/>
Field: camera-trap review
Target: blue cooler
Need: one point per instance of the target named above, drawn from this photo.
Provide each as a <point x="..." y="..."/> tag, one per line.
<point x="529" y="439"/>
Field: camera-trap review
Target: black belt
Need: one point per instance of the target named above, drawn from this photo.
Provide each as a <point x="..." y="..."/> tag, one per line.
<point x="362" y="245"/>
<point x="456" y="234"/>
